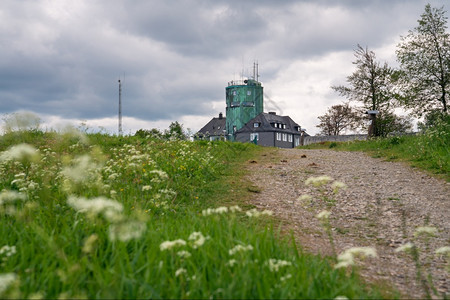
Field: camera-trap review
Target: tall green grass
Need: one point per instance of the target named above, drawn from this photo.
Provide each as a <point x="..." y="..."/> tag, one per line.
<point x="99" y="216"/>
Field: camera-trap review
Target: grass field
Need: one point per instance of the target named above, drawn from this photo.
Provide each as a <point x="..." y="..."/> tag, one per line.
<point x="99" y="216"/>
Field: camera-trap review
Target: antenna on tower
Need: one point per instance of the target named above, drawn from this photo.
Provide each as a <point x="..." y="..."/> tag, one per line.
<point x="120" y="108"/>
<point x="257" y="71"/>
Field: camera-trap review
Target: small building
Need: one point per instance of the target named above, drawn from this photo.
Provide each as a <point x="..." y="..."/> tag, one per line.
<point x="214" y="130"/>
<point x="272" y="130"/>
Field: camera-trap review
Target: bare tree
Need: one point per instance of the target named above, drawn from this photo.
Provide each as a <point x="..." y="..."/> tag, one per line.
<point x="338" y="119"/>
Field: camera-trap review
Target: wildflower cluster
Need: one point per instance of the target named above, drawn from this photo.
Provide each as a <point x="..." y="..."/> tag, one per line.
<point x="423" y="234"/>
<point x="220" y="210"/>
<point x="347" y="258"/>
<point x="240" y="248"/>
<point x="276" y="264"/>
<point x="254" y="213"/>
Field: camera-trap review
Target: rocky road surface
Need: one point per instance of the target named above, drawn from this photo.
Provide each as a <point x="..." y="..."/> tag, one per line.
<point x="382" y="206"/>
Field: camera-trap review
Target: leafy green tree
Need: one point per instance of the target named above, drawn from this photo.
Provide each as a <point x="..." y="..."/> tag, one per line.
<point x="175" y="131"/>
<point x="424" y="57"/>
<point x="370" y="84"/>
<point x="389" y="123"/>
<point x="154" y="133"/>
<point x="338" y="119"/>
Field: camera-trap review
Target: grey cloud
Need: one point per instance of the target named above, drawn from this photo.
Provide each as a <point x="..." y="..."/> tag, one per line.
<point x="177" y="58"/>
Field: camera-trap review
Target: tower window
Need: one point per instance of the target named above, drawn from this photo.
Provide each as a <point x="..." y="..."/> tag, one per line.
<point x="256" y="124"/>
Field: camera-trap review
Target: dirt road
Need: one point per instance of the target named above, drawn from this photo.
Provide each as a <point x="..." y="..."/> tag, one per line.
<point x="382" y="206"/>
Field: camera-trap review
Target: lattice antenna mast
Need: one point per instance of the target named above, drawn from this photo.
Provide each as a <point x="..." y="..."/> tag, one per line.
<point x="120" y="108"/>
<point x="257" y="71"/>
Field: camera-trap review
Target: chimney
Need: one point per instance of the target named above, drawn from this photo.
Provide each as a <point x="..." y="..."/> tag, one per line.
<point x="220" y="116"/>
<point x="272" y="113"/>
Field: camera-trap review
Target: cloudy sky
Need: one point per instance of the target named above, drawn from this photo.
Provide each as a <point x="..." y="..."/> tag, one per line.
<point x="62" y="59"/>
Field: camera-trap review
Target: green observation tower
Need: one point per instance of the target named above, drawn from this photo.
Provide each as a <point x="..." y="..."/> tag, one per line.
<point x="244" y="102"/>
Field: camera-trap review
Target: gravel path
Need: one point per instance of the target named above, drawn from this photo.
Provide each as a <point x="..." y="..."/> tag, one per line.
<point x="382" y="206"/>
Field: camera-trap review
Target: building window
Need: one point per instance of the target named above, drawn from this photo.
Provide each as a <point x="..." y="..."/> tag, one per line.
<point x="278" y="136"/>
<point x="254" y="136"/>
<point x="290" y="138"/>
<point x="284" y="126"/>
<point x="234" y="93"/>
<point x="249" y="93"/>
<point x="234" y="129"/>
<point x="297" y="141"/>
<point x="284" y="137"/>
<point x="256" y="124"/>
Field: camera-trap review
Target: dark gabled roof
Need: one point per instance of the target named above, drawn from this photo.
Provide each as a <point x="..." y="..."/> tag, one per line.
<point x="266" y="120"/>
<point x="214" y="127"/>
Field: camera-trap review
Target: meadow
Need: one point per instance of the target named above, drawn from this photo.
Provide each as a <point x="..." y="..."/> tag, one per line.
<point x="101" y="216"/>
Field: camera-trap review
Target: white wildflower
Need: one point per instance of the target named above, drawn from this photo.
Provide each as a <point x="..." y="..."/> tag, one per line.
<point x="95" y="206"/>
<point x="8" y="250"/>
<point x="113" y="176"/>
<point x="425" y="230"/>
<point x="344" y="264"/>
<point x="163" y="175"/>
<point x="347" y="258"/>
<point x="146" y="188"/>
<point x="220" y="210"/>
<point x="304" y="198"/>
<point x="337" y="185"/>
<point x="405" y="248"/>
<point x="231" y="262"/>
<point x="21" y="152"/>
<point x="318" y="181"/>
<point x="180" y="271"/>
<point x="341" y="298"/>
<point x="6" y="279"/>
<point x="234" y="208"/>
<point x="84" y="169"/>
<point x="275" y="264"/>
<point x="197" y="239"/>
<point x="323" y="215"/>
<point x="240" y="248"/>
<point x="126" y="231"/>
<point x="254" y="213"/>
<point x="7" y="196"/>
<point x="443" y="250"/>
<point x="89" y="243"/>
<point x="184" y="254"/>
<point x="363" y="251"/>
<point x="286" y="277"/>
<point x="167" y="245"/>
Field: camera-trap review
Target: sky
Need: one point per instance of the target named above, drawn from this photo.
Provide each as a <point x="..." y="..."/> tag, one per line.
<point x="62" y="59"/>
